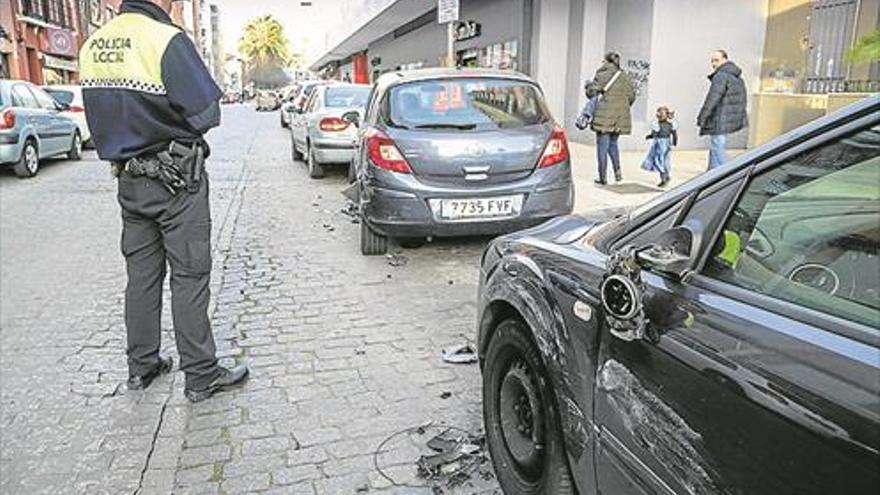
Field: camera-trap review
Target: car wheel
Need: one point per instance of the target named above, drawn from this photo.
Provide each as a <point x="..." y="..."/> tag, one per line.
<point x="76" y="148"/>
<point x="522" y="427"/>
<point x="283" y="123"/>
<point x="316" y="171"/>
<point x="29" y="163"/>
<point x="372" y="243"/>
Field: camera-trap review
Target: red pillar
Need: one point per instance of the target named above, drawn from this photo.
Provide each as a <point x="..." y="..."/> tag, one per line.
<point x="361" y="68"/>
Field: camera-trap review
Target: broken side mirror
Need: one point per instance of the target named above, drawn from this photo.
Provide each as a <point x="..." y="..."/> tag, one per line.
<point x="674" y="252"/>
<point x="353" y="117"/>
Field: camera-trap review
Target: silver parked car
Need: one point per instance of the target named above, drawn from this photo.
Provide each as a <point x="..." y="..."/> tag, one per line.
<point x="448" y="152"/>
<point x="32" y="128"/>
<point x="319" y="134"/>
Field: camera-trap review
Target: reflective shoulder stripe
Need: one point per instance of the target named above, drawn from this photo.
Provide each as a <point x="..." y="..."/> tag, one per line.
<point x="126" y="53"/>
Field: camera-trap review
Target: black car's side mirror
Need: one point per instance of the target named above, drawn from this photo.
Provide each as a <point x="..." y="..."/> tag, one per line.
<point x="353" y="118"/>
<point x="674" y="252"/>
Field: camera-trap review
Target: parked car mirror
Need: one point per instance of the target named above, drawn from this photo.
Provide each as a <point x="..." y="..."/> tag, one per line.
<point x="674" y="251"/>
<point x="61" y="107"/>
<point x="353" y="118"/>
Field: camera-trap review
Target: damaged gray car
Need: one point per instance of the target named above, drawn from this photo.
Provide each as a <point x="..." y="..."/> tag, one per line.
<point x="724" y="338"/>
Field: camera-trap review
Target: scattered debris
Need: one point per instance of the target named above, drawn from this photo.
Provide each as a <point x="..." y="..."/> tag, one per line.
<point x="459" y="455"/>
<point x="360" y="352"/>
<point x="446" y="395"/>
<point x="350" y="210"/>
<point x="451" y="282"/>
<point x="460" y="354"/>
<point x="396" y="259"/>
<point x="453" y="457"/>
<point x="328" y="227"/>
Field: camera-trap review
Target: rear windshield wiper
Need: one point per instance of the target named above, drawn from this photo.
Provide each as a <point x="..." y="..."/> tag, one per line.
<point x="462" y="127"/>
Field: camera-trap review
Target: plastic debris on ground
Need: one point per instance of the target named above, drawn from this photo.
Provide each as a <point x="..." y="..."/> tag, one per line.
<point x="460" y="354"/>
<point x="452" y="461"/>
<point x="396" y="259"/>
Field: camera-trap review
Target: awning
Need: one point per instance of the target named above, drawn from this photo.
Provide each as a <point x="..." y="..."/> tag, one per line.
<point x="60" y="63"/>
<point x="393" y="16"/>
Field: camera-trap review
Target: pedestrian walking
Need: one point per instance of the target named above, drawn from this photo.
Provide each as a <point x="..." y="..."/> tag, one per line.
<point x="724" y="111"/>
<point x="149" y="101"/>
<point x="615" y="94"/>
<point x="664" y="135"/>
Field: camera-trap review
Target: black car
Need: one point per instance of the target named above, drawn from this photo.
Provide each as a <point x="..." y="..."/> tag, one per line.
<point x="724" y="338"/>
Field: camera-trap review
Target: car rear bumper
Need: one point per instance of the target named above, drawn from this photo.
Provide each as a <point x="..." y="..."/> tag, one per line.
<point x="408" y="213"/>
<point x="333" y="150"/>
<point x="10" y="152"/>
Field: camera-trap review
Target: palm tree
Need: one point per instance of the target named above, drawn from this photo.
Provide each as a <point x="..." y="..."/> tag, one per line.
<point x="264" y="47"/>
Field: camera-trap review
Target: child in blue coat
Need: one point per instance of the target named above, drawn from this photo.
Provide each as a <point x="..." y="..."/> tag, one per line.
<point x="665" y="135"/>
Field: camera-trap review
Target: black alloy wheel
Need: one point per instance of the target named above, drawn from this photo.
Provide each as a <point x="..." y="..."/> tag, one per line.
<point x="522" y="426"/>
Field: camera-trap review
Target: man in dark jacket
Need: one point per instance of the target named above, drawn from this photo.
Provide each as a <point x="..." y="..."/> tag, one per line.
<point x="149" y="101"/>
<point x="724" y="111"/>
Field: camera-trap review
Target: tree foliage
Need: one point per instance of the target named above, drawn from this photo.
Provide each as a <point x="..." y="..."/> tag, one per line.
<point x="263" y="42"/>
<point x="866" y="50"/>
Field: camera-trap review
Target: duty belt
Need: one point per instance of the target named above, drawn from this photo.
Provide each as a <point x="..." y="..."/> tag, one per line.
<point x="178" y="167"/>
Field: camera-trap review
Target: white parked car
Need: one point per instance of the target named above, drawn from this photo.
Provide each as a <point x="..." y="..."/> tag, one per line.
<point x="71" y="97"/>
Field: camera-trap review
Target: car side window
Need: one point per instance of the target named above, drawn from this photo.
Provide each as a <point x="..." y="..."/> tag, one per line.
<point x="22" y="97"/>
<point x="314" y="103"/>
<point x="45" y="101"/>
<point x="807" y="231"/>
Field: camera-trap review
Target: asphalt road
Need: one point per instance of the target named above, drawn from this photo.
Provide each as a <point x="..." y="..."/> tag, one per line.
<point x="345" y="350"/>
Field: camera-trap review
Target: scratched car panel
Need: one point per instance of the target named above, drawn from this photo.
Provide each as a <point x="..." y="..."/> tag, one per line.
<point x="737" y="351"/>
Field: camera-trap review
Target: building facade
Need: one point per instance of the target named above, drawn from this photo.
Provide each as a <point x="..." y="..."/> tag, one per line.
<point x="665" y="47"/>
<point x="40" y="39"/>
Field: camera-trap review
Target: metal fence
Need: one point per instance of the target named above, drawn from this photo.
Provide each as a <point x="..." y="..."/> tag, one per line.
<point x="823" y="85"/>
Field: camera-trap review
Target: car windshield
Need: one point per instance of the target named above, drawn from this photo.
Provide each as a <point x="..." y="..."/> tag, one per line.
<point x="478" y="103"/>
<point x="342" y="97"/>
<point x="62" y="96"/>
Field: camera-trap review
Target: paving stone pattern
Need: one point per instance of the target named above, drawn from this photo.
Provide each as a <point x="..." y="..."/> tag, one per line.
<point x="344" y="350"/>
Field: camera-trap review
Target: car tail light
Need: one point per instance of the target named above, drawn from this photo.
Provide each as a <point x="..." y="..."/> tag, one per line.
<point x="8" y="120"/>
<point x="556" y="150"/>
<point x="333" y="124"/>
<point x="76" y="109"/>
<point x="384" y="153"/>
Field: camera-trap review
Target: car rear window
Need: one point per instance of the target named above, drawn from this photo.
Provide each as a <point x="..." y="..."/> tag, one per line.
<point x="345" y="97"/>
<point x="479" y="103"/>
<point x="61" y="95"/>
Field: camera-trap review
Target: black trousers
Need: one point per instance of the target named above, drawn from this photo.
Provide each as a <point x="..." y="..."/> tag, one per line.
<point x="158" y="230"/>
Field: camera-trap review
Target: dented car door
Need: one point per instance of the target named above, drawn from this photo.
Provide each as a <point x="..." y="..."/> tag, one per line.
<point x="767" y="380"/>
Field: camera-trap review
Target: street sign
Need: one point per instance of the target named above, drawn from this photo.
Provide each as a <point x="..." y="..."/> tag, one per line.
<point x="447" y="11"/>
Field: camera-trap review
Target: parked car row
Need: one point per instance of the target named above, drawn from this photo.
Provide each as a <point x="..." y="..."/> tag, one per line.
<point x="723" y="338"/>
<point x="35" y="126"/>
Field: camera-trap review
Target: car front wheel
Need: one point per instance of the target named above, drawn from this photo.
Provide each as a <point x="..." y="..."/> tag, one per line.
<point x="29" y="163"/>
<point x="522" y="427"/>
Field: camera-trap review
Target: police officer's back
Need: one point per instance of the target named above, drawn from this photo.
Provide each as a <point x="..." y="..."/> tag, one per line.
<point x="149" y="99"/>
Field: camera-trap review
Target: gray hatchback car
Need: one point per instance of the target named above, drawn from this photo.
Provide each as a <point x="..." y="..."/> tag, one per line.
<point x="447" y="152"/>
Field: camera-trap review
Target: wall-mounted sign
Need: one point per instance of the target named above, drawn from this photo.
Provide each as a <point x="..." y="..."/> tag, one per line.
<point x="467" y="30"/>
<point x="447" y="11"/>
<point x="59" y="42"/>
<point x="59" y="63"/>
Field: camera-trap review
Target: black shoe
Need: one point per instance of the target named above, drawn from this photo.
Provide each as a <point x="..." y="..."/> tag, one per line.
<point x="663" y="181"/>
<point x="599" y="182"/>
<point x="142" y="382"/>
<point x="228" y="378"/>
<point x="618" y="176"/>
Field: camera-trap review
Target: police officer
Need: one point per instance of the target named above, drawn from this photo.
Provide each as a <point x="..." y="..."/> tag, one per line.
<point x="149" y="100"/>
